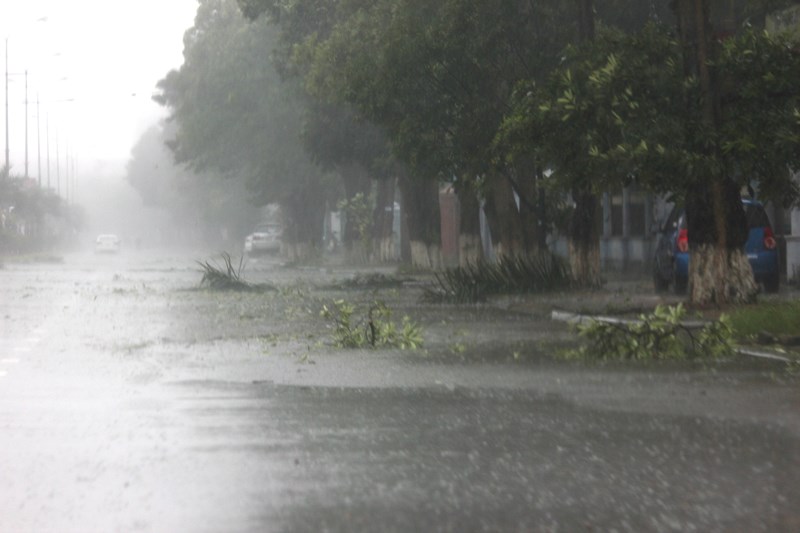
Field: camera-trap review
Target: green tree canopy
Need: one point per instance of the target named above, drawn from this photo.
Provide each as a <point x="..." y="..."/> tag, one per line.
<point x="236" y="115"/>
<point x="632" y="108"/>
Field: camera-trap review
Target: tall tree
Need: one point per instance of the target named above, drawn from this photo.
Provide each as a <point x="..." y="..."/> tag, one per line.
<point x="196" y="202"/>
<point x="719" y="271"/>
<point x="436" y="77"/>
<point x="236" y="115"/>
<point x="625" y="109"/>
<point x="584" y="233"/>
<point x="358" y="151"/>
<point x="336" y="135"/>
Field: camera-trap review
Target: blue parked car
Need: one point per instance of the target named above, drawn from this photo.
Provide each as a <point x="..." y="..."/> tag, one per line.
<point x="671" y="264"/>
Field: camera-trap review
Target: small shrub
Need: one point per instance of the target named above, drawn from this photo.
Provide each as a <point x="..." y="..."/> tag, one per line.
<point x="227" y="277"/>
<point x="656" y="336"/>
<point x="473" y="283"/>
<point x="376" y="329"/>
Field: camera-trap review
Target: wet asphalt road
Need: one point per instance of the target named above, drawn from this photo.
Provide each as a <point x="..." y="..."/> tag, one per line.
<point x="131" y="402"/>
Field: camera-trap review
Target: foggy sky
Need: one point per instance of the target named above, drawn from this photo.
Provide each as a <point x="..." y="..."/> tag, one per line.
<point x="93" y="64"/>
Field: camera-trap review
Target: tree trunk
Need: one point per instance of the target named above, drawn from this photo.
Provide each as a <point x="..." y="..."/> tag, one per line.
<point x="355" y="180"/>
<point x="543" y="218"/>
<point x="584" y="227"/>
<point x="719" y="272"/>
<point x="717" y="276"/>
<point x="532" y="213"/>
<point x="421" y="216"/>
<point x="584" y="239"/>
<point x="470" y="249"/>
<point x="383" y="222"/>
<point x="303" y="222"/>
<point x="586" y="20"/>
<point x="504" y="218"/>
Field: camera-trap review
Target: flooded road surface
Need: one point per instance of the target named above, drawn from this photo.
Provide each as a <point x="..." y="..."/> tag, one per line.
<point x="130" y="401"/>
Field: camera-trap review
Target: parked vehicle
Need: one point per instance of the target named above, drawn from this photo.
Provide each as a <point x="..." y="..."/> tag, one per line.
<point x="107" y="243"/>
<point x="671" y="263"/>
<point x="266" y="238"/>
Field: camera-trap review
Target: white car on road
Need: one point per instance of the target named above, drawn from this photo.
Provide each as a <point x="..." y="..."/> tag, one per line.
<point x="107" y="243"/>
<point x="265" y="238"/>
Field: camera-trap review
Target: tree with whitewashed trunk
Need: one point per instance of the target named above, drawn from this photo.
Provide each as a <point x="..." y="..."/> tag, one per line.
<point x="673" y="115"/>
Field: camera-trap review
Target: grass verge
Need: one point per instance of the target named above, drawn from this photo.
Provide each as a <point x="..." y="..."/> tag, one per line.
<point x="772" y="324"/>
<point x="778" y="319"/>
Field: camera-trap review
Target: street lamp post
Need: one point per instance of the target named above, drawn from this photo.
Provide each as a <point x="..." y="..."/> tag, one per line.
<point x="59" y="148"/>
<point x="47" y="142"/>
<point x="58" y="168"/>
<point x="66" y="169"/>
<point x="6" y="167"/>
<point x="38" y="143"/>
<point x="7" y="76"/>
<point x="26" y="124"/>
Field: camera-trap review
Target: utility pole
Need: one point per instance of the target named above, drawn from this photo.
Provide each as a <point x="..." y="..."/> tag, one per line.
<point x="6" y="168"/>
<point x="74" y="177"/>
<point x="47" y="141"/>
<point x="58" y="168"/>
<point x="38" y="143"/>
<point x="26" y="124"/>
<point x="66" y="170"/>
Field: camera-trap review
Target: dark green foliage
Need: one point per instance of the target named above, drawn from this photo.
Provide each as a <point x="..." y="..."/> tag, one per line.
<point x="519" y="274"/>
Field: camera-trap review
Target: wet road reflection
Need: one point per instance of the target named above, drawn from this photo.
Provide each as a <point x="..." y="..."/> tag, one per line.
<point x="130" y="401"/>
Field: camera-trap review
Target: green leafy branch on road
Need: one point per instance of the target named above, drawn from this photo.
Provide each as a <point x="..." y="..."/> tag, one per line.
<point x="376" y="329"/>
<point x="660" y="335"/>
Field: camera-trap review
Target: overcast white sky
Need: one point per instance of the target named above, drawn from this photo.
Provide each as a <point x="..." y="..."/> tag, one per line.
<point x="105" y="56"/>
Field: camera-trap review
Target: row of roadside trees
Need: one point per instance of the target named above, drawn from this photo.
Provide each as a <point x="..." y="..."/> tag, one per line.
<point x="518" y="105"/>
<point x="33" y="219"/>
